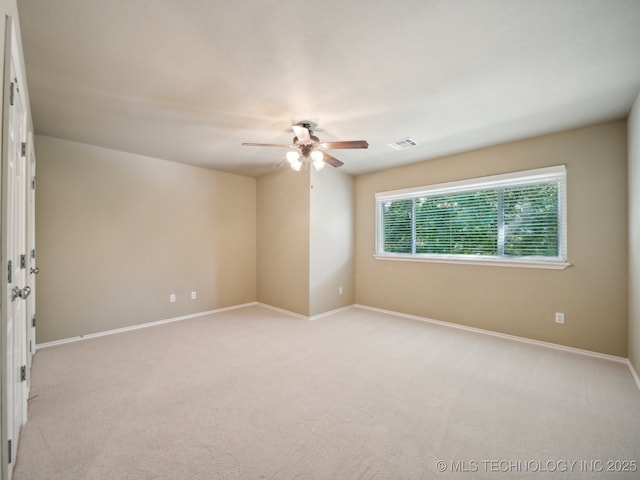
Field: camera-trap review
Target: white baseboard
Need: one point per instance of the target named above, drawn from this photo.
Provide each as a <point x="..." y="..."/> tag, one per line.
<point x="530" y="341"/>
<point x="330" y="312"/>
<point x="555" y="346"/>
<point x="304" y="317"/>
<point x="139" y="326"/>
<point x="283" y="311"/>
<point x="634" y="374"/>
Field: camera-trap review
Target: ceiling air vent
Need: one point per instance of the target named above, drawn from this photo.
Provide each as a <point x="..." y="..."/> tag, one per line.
<point x="403" y="144"/>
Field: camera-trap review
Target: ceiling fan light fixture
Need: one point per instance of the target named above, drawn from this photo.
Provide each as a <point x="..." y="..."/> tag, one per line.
<point x="318" y="159"/>
<point x="293" y="156"/>
<point x="296" y="165"/>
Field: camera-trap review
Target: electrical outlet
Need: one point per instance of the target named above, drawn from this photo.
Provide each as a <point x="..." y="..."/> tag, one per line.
<point x="339" y="290"/>
<point x="193" y="295"/>
<point x="560" y="318"/>
<point x="172" y="297"/>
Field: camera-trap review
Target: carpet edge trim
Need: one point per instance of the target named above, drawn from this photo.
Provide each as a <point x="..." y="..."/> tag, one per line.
<point x="305" y="317"/>
<point x="155" y="323"/>
<point x="634" y="374"/>
<point x="516" y="338"/>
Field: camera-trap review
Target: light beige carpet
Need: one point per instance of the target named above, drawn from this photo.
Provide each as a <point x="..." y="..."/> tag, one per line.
<point x="255" y="394"/>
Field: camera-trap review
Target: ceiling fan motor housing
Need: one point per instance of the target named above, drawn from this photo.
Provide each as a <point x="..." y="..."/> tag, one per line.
<point x="312" y="140"/>
<point x="308" y="146"/>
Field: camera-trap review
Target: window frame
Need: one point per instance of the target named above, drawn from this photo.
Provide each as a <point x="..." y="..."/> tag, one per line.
<point x="513" y="179"/>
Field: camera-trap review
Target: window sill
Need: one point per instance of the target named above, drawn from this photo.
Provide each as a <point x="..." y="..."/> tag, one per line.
<point x="493" y="262"/>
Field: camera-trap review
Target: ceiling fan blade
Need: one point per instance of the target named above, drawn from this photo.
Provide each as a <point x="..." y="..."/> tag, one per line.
<point x="302" y="133"/>
<point x="282" y="163"/>
<point x="331" y="160"/>
<point x="266" y="145"/>
<point x="343" y="145"/>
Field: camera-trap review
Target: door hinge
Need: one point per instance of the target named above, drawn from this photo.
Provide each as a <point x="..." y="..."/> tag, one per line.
<point x="23" y="149"/>
<point x="33" y="253"/>
<point x="33" y="321"/>
<point x="23" y="373"/>
<point x="11" y="89"/>
<point x="33" y="183"/>
<point x="23" y="261"/>
<point x="10" y="273"/>
<point x="10" y="452"/>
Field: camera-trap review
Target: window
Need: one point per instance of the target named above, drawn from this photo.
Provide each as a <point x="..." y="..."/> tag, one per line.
<point x="515" y="219"/>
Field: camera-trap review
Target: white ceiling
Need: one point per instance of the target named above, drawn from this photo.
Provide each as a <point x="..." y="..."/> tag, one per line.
<point x="190" y="80"/>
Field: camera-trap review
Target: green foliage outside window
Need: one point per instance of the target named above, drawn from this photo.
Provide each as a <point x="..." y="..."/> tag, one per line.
<point x="462" y="224"/>
<point x="516" y="221"/>
<point x="531" y="221"/>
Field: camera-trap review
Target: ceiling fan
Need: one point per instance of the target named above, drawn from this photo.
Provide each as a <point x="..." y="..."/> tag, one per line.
<point x="306" y="148"/>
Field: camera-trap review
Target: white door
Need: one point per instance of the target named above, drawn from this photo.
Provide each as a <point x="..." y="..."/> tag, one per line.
<point x="14" y="183"/>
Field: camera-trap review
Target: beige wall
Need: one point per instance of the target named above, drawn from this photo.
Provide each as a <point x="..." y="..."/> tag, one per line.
<point x="634" y="236"/>
<point x="117" y="233"/>
<point x="519" y="301"/>
<point x="306" y="240"/>
<point x="331" y="241"/>
<point x="283" y="240"/>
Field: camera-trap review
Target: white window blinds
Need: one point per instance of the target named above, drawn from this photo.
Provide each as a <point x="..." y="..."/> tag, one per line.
<point x="512" y="216"/>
